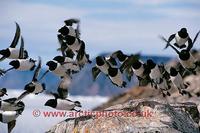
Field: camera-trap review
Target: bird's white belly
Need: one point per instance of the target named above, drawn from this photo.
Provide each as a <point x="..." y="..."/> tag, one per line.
<point x="75" y="46"/>
<point x="38" y="88"/>
<point x="65" y="83"/>
<point x="14" y="53"/>
<point x="138" y="72"/>
<point x="163" y="85"/>
<point x="178" y="81"/>
<point x="180" y="41"/>
<point x="189" y="64"/>
<point x="117" y="79"/>
<point x="25" y="64"/>
<point x="103" y="68"/>
<point x="9" y="107"/>
<point x="84" y="60"/>
<point x="60" y="71"/>
<point x="71" y="31"/>
<point x="155" y="73"/>
<point x="64" y="105"/>
<point x="9" y="116"/>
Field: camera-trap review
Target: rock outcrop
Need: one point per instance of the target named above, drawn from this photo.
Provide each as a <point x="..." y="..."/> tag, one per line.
<point x="147" y="116"/>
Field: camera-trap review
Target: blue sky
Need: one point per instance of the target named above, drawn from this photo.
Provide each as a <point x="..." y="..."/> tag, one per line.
<point x="106" y="25"/>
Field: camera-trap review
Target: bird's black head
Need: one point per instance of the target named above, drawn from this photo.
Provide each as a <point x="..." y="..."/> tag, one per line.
<point x="4" y="91"/>
<point x="5" y="52"/>
<point x="183" y="33"/>
<point x="100" y="61"/>
<point x="184" y="55"/>
<point x="112" y="71"/>
<point x="151" y="64"/>
<point x="64" y="30"/>
<point x="51" y="103"/>
<point x="173" y="71"/>
<point x="121" y="56"/>
<point x="15" y="64"/>
<point x="59" y="59"/>
<point x="77" y="103"/>
<point x="52" y="65"/>
<point x="70" y="40"/>
<point x="136" y="64"/>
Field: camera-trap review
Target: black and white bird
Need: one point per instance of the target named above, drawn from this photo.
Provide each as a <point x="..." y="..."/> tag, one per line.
<point x="101" y="66"/>
<point x="63" y="89"/>
<point x="9" y="118"/>
<point x="34" y="87"/>
<point x="57" y="69"/>
<point x="3" y="92"/>
<point x="116" y="77"/>
<point x="11" y="104"/>
<point x="120" y="56"/>
<point x="186" y="59"/>
<point x="12" y="52"/>
<point x="22" y="64"/>
<point x="178" y="82"/>
<point x="68" y="63"/>
<point x="82" y="58"/>
<point x="181" y="37"/>
<point x="72" y="43"/>
<point x="63" y="104"/>
<point x="142" y="72"/>
<point x="68" y="29"/>
<point x="157" y="75"/>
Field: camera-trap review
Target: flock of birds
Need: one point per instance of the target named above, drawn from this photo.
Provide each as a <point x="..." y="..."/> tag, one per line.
<point x="74" y="57"/>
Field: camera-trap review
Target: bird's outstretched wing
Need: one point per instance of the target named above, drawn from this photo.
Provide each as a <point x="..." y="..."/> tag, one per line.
<point x="95" y="72"/>
<point x="37" y="70"/>
<point x="70" y="22"/>
<point x="10" y="100"/>
<point x="21" y="51"/>
<point x="17" y="36"/>
<point x="11" y="125"/>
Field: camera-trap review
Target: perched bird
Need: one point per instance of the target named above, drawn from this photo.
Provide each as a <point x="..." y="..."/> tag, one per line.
<point x="181" y="37"/>
<point x="178" y="82"/>
<point x="186" y="59"/>
<point x="3" y="92"/>
<point x="9" y="117"/>
<point x="63" y="104"/>
<point x="116" y="77"/>
<point x="11" y="104"/>
<point x="12" y="52"/>
<point x="159" y="77"/>
<point x="22" y="64"/>
<point x="34" y="87"/>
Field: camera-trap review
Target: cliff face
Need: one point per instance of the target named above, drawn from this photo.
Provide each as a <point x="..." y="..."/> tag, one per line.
<point x="151" y="116"/>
